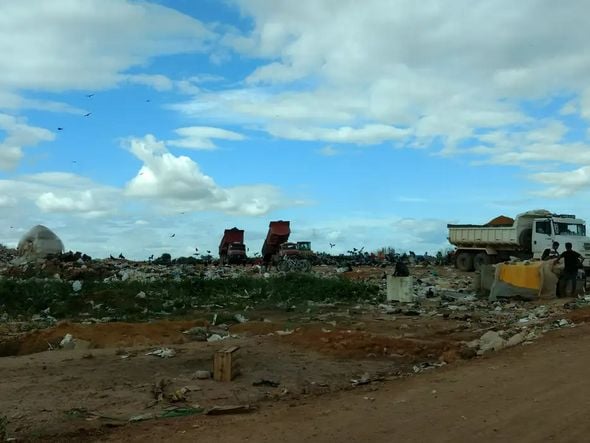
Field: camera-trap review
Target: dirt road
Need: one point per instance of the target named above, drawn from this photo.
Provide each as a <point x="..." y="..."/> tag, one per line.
<point x="531" y="393"/>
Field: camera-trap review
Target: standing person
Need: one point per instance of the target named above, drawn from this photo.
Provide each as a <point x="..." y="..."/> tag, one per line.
<point x="572" y="262"/>
<point x="552" y="253"/>
<point x="401" y="269"/>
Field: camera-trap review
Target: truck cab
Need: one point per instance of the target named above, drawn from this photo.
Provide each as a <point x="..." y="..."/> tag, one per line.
<point x="562" y="229"/>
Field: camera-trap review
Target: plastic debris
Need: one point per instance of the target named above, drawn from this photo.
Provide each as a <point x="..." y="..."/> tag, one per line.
<point x="365" y="379"/>
<point x="240" y="318"/>
<point x="202" y="375"/>
<point x="233" y="409"/>
<point x="67" y="342"/>
<point x="265" y="382"/>
<point x="163" y="353"/>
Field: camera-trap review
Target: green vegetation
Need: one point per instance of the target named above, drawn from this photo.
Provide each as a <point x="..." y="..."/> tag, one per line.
<point x="3" y="425"/>
<point x="143" y="300"/>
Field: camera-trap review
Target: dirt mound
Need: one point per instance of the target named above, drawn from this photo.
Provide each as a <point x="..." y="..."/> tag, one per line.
<point x="360" y="344"/>
<point x="103" y="335"/>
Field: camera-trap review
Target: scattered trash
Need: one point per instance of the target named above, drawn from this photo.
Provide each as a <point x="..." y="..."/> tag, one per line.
<point x="142" y="417"/>
<point x="163" y="353"/>
<point x="67" y="342"/>
<point x="491" y="341"/>
<point x="77" y="286"/>
<point x="364" y="380"/>
<point x="224" y="410"/>
<point x="515" y="340"/>
<point x="425" y="366"/>
<point x="214" y="337"/>
<point x="179" y="395"/>
<point x="562" y="323"/>
<point x="285" y="332"/>
<point x="264" y="382"/>
<point x="202" y="375"/>
<point x="181" y="412"/>
<point x="240" y="318"/>
<point x="198" y="333"/>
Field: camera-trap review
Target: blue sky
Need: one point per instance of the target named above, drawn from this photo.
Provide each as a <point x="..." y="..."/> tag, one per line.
<point x="364" y="123"/>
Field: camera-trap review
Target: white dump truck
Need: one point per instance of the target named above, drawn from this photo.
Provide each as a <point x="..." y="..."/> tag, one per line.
<point x="526" y="237"/>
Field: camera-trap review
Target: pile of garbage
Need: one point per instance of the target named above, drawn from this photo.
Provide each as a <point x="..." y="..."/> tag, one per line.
<point x="6" y="255"/>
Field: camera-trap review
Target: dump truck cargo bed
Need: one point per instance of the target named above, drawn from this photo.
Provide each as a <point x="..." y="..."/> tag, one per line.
<point x="483" y="236"/>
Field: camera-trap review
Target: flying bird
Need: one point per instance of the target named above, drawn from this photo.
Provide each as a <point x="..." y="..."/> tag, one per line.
<point x="173" y="235"/>
<point x="148" y="100"/>
<point x="89" y="95"/>
<point x="60" y="129"/>
<point x="88" y="114"/>
<point x="332" y="245"/>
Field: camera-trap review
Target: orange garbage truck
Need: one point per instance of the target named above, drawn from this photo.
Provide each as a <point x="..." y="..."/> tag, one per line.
<point x="232" y="249"/>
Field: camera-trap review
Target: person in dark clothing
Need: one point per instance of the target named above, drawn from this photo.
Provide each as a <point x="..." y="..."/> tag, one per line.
<point x="572" y="262"/>
<point x="401" y="269"/>
<point x="552" y="253"/>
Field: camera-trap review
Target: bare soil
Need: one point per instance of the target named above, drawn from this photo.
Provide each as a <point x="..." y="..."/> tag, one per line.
<point x="532" y="393"/>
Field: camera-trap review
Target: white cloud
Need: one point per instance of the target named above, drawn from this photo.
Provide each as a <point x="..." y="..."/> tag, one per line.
<point x="367" y="134"/>
<point x="80" y="202"/>
<point x="585" y="104"/>
<point x="570" y="108"/>
<point x="157" y="81"/>
<point x="12" y="101"/>
<point x="417" y="74"/>
<point x="65" y="193"/>
<point x="187" y="87"/>
<point x="329" y="151"/>
<point x="87" y="44"/>
<point x="200" y="137"/>
<point x="565" y="183"/>
<point x="178" y="183"/>
<point x="18" y="136"/>
<point x="542" y="142"/>
<point x="7" y="202"/>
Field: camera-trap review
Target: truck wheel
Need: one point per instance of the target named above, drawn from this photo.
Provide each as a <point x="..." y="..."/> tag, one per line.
<point x="284" y="266"/>
<point x="481" y="259"/>
<point x="464" y="261"/>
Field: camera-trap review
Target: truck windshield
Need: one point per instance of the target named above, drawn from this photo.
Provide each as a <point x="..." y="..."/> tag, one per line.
<point x="570" y="229"/>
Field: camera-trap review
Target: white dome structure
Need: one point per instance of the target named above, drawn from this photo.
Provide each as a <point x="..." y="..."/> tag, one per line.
<point x="40" y="242"/>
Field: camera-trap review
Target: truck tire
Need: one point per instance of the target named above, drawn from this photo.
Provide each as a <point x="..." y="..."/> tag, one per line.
<point x="284" y="266"/>
<point x="464" y="261"/>
<point x="481" y="259"/>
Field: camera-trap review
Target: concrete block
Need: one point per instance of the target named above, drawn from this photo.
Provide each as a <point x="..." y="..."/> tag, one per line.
<point x="400" y="289"/>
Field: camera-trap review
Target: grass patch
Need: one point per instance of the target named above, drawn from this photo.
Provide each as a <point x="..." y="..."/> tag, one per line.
<point x="120" y="300"/>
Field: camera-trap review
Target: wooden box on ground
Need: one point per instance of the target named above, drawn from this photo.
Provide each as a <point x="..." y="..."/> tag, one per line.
<point x="225" y="364"/>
